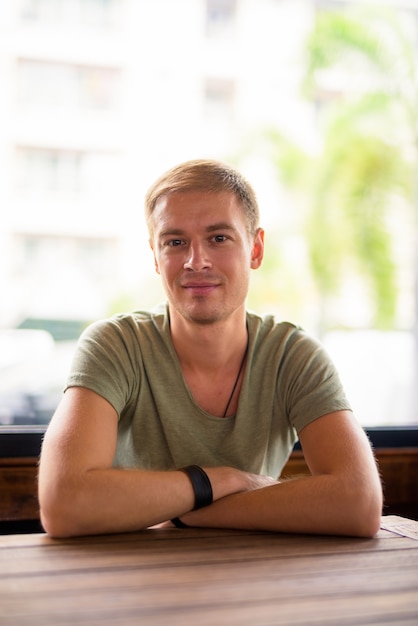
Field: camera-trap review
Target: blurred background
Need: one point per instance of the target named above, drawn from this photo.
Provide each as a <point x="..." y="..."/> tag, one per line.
<point x="316" y="102"/>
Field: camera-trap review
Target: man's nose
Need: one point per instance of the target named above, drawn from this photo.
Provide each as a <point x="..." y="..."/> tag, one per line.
<point x="197" y="258"/>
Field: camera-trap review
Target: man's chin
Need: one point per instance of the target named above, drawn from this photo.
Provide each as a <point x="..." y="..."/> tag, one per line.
<point x="204" y="320"/>
<point x="201" y="317"/>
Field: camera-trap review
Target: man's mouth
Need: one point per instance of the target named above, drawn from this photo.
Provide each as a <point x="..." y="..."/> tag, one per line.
<point x="200" y="288"/>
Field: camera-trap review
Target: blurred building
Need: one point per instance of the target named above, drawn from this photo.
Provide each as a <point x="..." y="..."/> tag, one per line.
<point x="98" y="98"/>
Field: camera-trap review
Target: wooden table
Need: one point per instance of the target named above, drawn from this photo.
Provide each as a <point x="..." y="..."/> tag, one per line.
<point x="211" y="577"/>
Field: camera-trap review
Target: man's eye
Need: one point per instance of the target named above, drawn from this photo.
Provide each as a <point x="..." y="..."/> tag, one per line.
<point x="174" y="242"/>
<point x="220" y="238"/>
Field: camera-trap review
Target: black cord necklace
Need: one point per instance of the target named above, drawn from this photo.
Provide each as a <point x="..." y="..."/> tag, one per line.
<point x="236" y="381"/>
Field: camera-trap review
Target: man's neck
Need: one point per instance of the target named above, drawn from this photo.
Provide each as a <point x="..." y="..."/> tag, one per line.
<point x="208" y="346"/>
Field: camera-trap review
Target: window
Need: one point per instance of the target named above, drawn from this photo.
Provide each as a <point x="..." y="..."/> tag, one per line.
<point x="219" y="99"/>
<point x="48" y="170"/>
<point x="89" y="258"/>
<point x="220" y="17"/>
<point x="66" y="86"/>
<point x="97" y="13"/>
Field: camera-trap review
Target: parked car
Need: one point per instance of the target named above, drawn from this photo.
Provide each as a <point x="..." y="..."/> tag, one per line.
<point x="33" y="369"/>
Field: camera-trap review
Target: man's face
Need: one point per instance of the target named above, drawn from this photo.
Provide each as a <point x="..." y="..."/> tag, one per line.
<point x="204" y="254"/>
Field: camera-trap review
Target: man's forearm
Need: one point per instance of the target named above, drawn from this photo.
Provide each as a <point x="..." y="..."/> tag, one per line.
<point x="321" y="504"/>
<point x="113" y="500"/>
<point x="120" y="500"/>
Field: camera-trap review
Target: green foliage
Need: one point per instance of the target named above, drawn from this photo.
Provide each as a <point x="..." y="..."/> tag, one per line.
<point x="340" y="39"/>
<point x="347" y="220"/>
<point x="293" y="165"/>
<point x="361" y="73"/>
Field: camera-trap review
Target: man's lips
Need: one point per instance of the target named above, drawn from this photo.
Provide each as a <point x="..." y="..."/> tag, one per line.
<point x="200" y="287"/>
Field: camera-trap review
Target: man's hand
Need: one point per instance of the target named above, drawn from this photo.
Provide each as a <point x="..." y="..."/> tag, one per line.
<point x="228" y="480"/>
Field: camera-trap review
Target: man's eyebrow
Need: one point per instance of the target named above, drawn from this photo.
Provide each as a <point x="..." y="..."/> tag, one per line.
<point x="169" y="232"/>
<point x="220" y="226"/>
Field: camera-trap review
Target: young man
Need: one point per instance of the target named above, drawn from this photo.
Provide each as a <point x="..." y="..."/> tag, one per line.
<point x="189" y="413"/>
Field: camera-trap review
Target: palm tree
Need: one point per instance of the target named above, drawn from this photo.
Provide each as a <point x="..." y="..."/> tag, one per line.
<point x="362" y="75"/>
<point x="362" y="78"/>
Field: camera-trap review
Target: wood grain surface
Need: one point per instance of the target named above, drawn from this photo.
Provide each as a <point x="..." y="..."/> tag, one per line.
<point x="203" y="577"/>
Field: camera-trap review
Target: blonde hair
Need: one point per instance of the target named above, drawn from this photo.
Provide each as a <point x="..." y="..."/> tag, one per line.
<point x="204" y="175"/>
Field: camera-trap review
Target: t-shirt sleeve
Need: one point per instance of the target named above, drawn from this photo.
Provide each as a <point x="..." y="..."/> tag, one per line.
<point x="103" y="362"/>
<point x="313" y="386"/>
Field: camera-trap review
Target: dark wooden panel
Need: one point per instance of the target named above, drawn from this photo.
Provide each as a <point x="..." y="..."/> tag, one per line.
<point x="18" y="489"/>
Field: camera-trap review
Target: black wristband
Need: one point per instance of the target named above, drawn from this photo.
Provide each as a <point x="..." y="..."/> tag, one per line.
<point x="178" y="523"/>
<point x="203" y="495"/>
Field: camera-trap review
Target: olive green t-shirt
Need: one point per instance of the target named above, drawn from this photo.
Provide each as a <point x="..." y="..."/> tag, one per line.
<point x="130" y="360"/>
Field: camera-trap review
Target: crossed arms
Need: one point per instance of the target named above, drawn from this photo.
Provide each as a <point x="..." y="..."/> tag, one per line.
<point x="80" y="493"/>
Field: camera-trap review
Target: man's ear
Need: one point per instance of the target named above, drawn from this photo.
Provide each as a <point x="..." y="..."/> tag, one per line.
<point x="258" y="249"/>
<point x="157" y="269"/>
